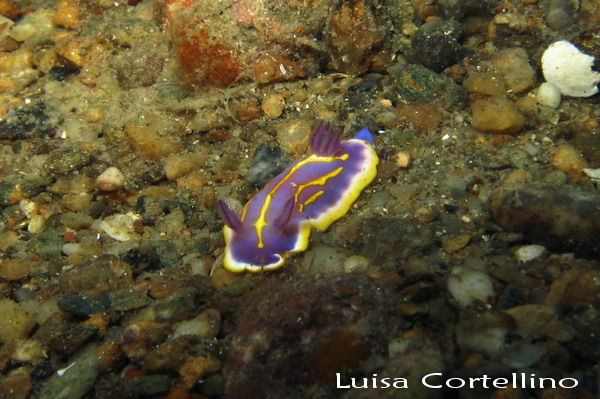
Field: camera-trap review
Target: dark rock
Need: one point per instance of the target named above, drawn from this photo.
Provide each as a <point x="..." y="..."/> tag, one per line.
<point x="387" y="240"/>
<point x="123" y="300"/>
<point x="436" y="44"/>
<point x="585" y="321"/>
<point x="295" y="335"/>
<point x="83" y="305"/>
<point x="60" y="73"/>
<point x="361" y="93"/>
<point x="511" y="296"/>
<point x="76" y="221"/>
<point x="170" y="355"/>
<point x="167" y="252"/>
<point x="105" y="271"/>
<point x="13" y="189"/>
<point x="51" y="327"/>
<point x="562" y="220"/>
<point x="267" y="162"/>
<point x="179" y="306"/>
<point x="68" y="159"/>
<point x="459" y="9"/>
<point x="142" y="258"/>
<point x="587" y="140"/>
<point x="96" y="209"/>
<point x="27" y="122"/>
<point x="42" y="370"/>
<point x="149" y="384"/>
<point x="71" y="340"/>
<point x="417" y="84"/>
<point x="47" y="244"/>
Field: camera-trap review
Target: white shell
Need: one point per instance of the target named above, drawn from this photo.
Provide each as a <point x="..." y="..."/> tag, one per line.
<point x="570" y="70"/>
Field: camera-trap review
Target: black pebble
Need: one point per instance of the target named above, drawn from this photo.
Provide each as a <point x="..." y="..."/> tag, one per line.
<point x="436" y="46"/>
<point x="268" y="161"/>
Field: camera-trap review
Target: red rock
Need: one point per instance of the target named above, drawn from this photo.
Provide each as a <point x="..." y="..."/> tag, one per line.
<point x="205" y="59"/>
<point x="71" y="237"/>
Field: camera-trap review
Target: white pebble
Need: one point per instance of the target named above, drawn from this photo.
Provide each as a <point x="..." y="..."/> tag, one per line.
<point x="467" y="285"/>
<point x="570" y="70"/>
<point x="110" y="180"/>
<point x="119" y="227"/>
<point x="36" y="224"/>
<point x="71" y="248"/>
<point x="594" y="174"/>
<point x="548" y="95"/>
<point x="529" y="252"/>
<point x="355" y="263"/>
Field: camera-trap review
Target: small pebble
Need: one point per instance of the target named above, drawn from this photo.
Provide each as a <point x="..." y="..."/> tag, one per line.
<point x="147" y="385"/>
<point x="422" y="116"/>
<point x="467" y="285"/>
<point x="29" y="351"/>
<point x="14" y="269"/>
<point x="402" y="159"/>
<point x="567" y="159"/>
<point x="320" y="85"/>
<point x="94" y="114"/>
<point x="71" y="248"/>
<point x="539" y="321"/>
<point x="68" y="13"/>
<point x="293" y="135"/>
<point x="356" y="263"/>
<point x="436" y="44"/>
<point x="529" y="252"/>
<point x="457" y="243"/>
<point x="196" y="368"/>
<point x="178" y="165"/>
<point x="513" y="64"/>
<point x="560" y="14"/>
<point x="496" y="115"/>
<point x="548" y="95"/>
<point x="16" y="321"/>
<point x="110" y="180"/>
<point x="206" y="325"/>
<point x="273" y="105"/>
<point x="324" y="260"/>
<point x="488" y="83"/>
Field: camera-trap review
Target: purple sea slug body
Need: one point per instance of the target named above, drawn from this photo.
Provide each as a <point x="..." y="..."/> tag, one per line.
<point x="312" y="192"/>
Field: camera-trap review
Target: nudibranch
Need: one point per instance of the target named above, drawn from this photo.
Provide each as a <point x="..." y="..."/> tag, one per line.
<point x="312" y="192"/>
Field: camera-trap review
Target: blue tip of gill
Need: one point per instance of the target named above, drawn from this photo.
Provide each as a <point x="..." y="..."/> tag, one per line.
<point x="365" y="135"/>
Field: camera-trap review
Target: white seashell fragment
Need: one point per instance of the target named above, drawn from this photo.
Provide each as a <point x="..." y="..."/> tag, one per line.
<point x="594" y="174"/>
<point x="119" y="227"/>
<point x="467" y="285"/>
<point x="110" y="180"/>
<point x="570" y="70"/>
